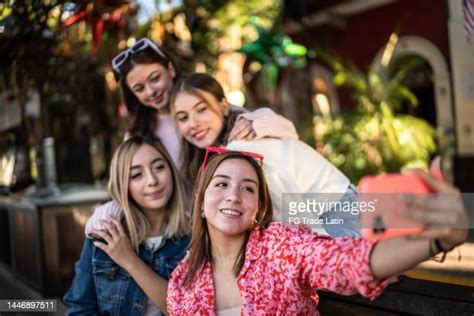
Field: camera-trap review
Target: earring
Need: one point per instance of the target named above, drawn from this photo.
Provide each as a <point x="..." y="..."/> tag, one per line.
<point x="202" y="214"/>
<point x="254" y="224"/>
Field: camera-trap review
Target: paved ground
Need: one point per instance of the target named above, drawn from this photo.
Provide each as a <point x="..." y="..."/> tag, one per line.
<point x="12" y="288"/>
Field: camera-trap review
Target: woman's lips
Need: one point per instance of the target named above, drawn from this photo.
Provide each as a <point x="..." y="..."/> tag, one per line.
<point x="230" y="213"/>
<point x="156" y="194"/>
<point x="201" y="135"/>
<point x="159" y="98"/>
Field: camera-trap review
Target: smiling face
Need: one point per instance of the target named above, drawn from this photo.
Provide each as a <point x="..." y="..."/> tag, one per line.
<point x="151" y="84"/>
<point x="200" y="117"/>
<point x="151" y="182"/>
<point x="231" y="199"/>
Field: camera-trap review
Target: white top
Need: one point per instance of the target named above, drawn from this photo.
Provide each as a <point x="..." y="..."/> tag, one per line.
<point x="152" y="243"/>
<point x="291" y="166"/>
<point x="234" y="311"/>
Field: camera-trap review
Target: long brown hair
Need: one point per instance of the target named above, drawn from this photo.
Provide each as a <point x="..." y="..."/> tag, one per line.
<point x="200" y="250"/>
<point x="136" y="222"/>
<point x="195" y="83"/>
<point x="142" y="118"/>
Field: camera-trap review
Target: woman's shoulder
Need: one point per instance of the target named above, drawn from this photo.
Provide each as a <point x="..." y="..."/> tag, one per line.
<point x="179" y="274"/>
<point x="179" y="240"/>
<point x="286" y="228"/>
<point x="271" y="148"/>
<point x="286" y="232"/>
<point x="97" y="254"/>
<point x="177" y="244"/>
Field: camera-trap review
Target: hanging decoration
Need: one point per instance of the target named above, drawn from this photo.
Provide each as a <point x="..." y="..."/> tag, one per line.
<point x="99" y="14"/>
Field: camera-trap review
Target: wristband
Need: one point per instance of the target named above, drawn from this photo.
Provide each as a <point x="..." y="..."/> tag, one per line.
<point x="435" y="248"/>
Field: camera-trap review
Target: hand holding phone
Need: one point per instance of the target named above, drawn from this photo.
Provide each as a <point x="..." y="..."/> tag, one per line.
<point x="384" y="222"/>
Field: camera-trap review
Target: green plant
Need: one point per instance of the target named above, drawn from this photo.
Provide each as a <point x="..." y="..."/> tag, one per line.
<point x="374" y="138"/>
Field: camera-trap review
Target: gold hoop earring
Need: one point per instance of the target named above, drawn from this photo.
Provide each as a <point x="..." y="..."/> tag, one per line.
<point x="254" y="224"/>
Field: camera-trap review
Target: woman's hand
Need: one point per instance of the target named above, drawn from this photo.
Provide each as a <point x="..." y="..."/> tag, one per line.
<point x="120" y="249"/>
<point x="242" y="130"/>
<point x="444" y="218"/>
<point x="118" y="245"/>
<point x="443" y="215"/>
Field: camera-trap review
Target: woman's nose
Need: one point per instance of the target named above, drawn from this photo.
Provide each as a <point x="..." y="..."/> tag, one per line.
<point x="193" y="122"/>
<point x="152" y="178"/>
<point x="234" y="196"/>
<point x="149" y="90"/>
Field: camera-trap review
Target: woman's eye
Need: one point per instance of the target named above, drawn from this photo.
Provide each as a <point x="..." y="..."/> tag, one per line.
<point x="135" y="175"/>
<point x="138" y="90"/>
<point x="202" y="109"/>
<point x="155" y="79"/>
<point x="182" y="118"/>
<point x="220" y="184"/>
<point x="249" y="189"/>
<point x="159" y="167"/>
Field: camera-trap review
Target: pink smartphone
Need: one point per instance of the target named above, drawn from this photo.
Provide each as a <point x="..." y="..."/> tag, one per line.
<point x="384" y="222"/>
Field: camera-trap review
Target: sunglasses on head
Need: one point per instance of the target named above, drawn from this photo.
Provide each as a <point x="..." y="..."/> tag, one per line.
<point x="219" y="150"/>
<point x="138" y="46"/>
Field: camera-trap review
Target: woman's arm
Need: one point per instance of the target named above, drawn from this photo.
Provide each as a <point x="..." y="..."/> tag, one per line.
<point x="104" y="212"/>
<point x="262" y="123"/>
<point x="119" y="248"/>
<point x="81" y="297"/>
<point x="445" y="212"/>
<point x="345" y="265"/>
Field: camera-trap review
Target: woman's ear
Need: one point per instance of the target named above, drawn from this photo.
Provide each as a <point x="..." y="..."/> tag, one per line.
<point x="225" y="106"/>
<point x="171" y="70"/>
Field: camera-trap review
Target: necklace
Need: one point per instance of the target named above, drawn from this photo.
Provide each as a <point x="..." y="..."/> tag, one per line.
<point x="225" y="260"/>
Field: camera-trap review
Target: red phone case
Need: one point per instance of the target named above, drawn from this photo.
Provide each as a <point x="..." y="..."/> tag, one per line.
<point x="384" y="222"/>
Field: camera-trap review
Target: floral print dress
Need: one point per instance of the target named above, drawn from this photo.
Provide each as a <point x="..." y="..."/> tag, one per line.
<point x="284" y="267"/>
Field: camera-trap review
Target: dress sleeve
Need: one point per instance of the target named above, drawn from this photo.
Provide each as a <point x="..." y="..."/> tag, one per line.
<point x="267" y="123"/>
<point x="340" y="265"/>
<point x="103" y="212"/>
<point x="81" y="298"/>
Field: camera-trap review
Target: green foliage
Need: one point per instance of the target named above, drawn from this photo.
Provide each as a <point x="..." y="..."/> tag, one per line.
<point x="210" y="22"/>
<point x="273" y="50"/>
<point x="374" y="139"/>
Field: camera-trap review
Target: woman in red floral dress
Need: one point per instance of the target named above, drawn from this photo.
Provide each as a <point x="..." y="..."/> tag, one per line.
<point x="240" y="263"/>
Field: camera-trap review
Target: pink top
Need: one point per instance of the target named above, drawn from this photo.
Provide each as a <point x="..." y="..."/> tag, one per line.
<point x="267" y="123"/>
<point x="284" y="265"/>
<point x="167" y="132"/>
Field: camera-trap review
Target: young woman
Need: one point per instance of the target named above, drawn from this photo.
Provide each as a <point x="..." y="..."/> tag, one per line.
<point x="126" y="272"/>
<point x="146" y="76"/>
<point x="240" y="263"/>
<point x="203" y="116"/>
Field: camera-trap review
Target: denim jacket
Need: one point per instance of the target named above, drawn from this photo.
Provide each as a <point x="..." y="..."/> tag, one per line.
<point x="101" y="287"/>
<point x="351" y="226"/>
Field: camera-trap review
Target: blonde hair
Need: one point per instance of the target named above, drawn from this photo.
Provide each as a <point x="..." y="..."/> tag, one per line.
<point x="136" y="223"/>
